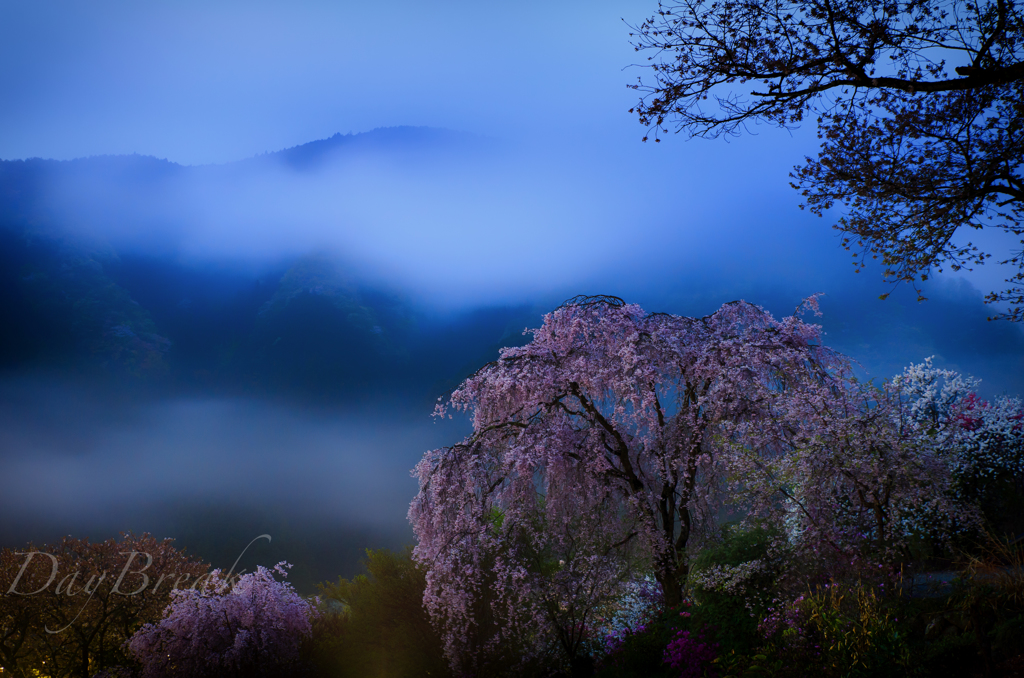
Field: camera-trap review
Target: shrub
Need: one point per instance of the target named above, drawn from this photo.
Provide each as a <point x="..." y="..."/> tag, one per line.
<point x="639" y="604"/>
<point x="380" y="627"/>
<point x="988" y="599"/>
<point x="690" y="654"/>
<point x="254" y="628"/>
<point x="733" y="583"/>
<point x="639" y="652"/>
<point x="633" y="653"/>
<point x="857" y="633"/>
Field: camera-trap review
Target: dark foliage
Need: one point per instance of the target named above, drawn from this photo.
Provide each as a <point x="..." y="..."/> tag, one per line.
<point x="375" y="624"/>
<point x="919" y="106"/>
<point x="70" y="612"/>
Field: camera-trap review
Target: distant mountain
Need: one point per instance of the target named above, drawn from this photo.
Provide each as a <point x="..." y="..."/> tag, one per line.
<point x="403" y="141"/>
<point x="59" y="307"/>
<point x="304" y="329"/>
<point x="25" y="184"/>
<point x="102" y="188"/>
<point x="71" y="300"/>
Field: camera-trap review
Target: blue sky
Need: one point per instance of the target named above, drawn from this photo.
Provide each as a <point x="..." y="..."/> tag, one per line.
<point x="214" y="82"/>
<point x="200" y="82"/>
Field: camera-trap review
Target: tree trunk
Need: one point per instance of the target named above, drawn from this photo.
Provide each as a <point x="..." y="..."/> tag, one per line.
<point x="668" y="575"/>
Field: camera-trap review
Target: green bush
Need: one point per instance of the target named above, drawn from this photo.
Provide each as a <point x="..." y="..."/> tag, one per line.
<point x="733" y="583"/>
<point x="377" y="628"/>
<point x="858" y="632"/>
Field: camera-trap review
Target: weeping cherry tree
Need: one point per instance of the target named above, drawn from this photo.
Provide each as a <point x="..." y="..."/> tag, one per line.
<point x="597" y="454"/>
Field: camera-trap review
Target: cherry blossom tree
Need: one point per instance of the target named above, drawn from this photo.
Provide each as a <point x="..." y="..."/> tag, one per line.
<point x="867" y="470"/>
<point x="986" y="436"/>
<point x="253" y="628"/>
<point x="856" y="479"/>
<point x="597" y="453"/>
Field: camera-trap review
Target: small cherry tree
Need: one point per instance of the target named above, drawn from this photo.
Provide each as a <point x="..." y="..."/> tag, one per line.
<point x="253" y="628"/>
<point x="866" y="471"/>
<point x="986" y="438"/>
<point x="69" y="607"/>
<point x="597" y="451"/>
<point x="855" y="480"/>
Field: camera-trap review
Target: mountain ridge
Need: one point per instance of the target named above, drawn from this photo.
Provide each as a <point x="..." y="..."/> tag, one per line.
<point x="404" y="134"/>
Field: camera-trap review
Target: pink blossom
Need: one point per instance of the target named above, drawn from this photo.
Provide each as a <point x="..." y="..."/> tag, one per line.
<point x="250" y="629"/>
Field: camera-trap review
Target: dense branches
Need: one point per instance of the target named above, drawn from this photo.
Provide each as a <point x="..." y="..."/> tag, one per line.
<point x="70" y="607"/>
<point x="858" y="479"/>
<point x="919" y="106"/>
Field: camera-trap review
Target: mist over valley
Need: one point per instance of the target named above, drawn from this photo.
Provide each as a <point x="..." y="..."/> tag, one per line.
<point x="221" y="351"/>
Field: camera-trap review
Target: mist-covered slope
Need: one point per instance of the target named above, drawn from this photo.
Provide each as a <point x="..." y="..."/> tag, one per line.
<point x="86" y="300"/>
<point x="257" y="276"/>
<point x="302" y="329"/>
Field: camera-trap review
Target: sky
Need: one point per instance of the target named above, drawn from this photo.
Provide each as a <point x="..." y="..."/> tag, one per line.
<point x="202" y="82"/>
<point x="215" y="82"/>
<point x="556" y="196"/>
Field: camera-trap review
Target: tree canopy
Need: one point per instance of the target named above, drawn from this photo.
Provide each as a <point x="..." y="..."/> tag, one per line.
<point x="919" y="107"/>
<point x="597" y="455"/>
<point x="70" y="607"/>
<point x="248" y="626"/>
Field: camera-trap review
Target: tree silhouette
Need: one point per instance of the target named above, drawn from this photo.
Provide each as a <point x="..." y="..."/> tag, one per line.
<point x="919" y="106"/>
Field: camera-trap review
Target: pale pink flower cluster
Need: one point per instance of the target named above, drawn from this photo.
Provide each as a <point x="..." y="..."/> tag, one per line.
<point x="731" y="579"/>
<point x="985" y="439"/>
<point x="252" y="628"/>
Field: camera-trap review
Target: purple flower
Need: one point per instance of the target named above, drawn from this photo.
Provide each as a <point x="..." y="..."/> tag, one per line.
<point x="691" y="654"/>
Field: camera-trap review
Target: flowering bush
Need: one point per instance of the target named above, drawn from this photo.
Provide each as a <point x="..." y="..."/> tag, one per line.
<point x="639" y="604"/>
<point x="633" y="652"/>
<point x="734" y="582"/>
<point x="639" y="651"/>
<point x="691" y="655"/>
<point x="984" y="440"/>
<point x="730" y="579"/>
<point x="253" y="628"/>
